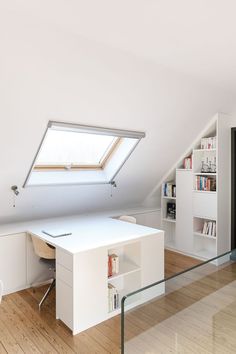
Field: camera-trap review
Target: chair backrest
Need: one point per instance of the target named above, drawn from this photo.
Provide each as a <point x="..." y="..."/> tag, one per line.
<point x="128" y="218"/>
<point x="42" y="249"/>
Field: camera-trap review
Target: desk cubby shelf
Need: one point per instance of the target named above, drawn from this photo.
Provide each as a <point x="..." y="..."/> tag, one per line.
<point x="126" y="268"/>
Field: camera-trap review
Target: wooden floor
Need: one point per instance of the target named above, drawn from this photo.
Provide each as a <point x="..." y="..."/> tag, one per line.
<point x="23" y="329"/>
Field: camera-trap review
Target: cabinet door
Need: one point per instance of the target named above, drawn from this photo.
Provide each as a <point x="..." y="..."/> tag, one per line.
<point x="184" y="211"/>
<point x="13" y="262"/>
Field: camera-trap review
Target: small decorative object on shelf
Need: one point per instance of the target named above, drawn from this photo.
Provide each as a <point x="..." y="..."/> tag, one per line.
<point x="170" y="211"/>
<point x="208" y="143"/>
<point x="169" y="190"/>
<point x="208" y="164"/>
<point x="113" y="265"/>
<point x="187" y="163"/>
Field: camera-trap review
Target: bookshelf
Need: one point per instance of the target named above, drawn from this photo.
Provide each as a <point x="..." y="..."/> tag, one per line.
<point x="202" y="194"/>
<point x="129" y="276"/>
<point x="135" y="271"/>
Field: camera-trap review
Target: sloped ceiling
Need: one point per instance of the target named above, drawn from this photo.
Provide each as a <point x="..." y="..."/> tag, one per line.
<point x="71" y="61"/>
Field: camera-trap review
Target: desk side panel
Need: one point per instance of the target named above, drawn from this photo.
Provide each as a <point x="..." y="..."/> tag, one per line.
<point x="152" y="261"/>
<point x="90" y="288"/>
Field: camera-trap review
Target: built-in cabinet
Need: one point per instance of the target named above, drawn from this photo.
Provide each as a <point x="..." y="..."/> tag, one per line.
<point x="20" y="267"/>
<point x="13" y="262"/>
<point x="202" y="201"/>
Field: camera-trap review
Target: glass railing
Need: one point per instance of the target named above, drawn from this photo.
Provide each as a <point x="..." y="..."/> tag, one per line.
<point x="193" y="311"/>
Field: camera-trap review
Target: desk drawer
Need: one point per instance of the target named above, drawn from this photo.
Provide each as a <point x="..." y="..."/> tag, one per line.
<point x="65" y="259"/>
<point x="64" y="303"/>
<point x="64" y="274"/>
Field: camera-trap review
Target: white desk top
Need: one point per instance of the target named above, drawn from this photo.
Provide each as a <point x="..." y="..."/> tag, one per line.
<point x="88" y="232"/>
<point x="92" y="232"/>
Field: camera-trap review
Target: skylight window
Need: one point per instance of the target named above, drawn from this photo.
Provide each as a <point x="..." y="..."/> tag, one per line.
<point x="68" y="149"/>
<point x="77" y="154"/>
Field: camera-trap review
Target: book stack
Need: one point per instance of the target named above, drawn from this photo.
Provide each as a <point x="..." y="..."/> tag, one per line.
<point x="208" y="143"/>
<point x="113" y="265"/>
<point x="169" y="190"/>
<point x="113" y="298"/>
<point x="204" y="183"/>
<point x="209" y="228"/>
<point x="188" y="163"/>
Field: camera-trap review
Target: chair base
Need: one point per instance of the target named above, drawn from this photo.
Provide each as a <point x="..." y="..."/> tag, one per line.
<point x="52" y="285"/>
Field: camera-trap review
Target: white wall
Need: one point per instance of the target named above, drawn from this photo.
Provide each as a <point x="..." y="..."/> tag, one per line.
<point x="47" y="74"/>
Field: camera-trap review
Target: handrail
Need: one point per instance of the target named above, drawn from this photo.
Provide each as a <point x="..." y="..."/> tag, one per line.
<point x="124" y="298"/>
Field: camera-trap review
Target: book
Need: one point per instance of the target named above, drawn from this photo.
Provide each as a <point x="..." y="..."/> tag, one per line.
<point x="208" y="143"/>
<point x="169" y="189"/>
<point x="171" y="210"/>
<point x="209" y="228"/>
<point x="109" y="266"/>
<point x="188" y="163"/>
<point x="113" y="265"/>
<point x="205" y="183"/>
<point x="113" y="298"/>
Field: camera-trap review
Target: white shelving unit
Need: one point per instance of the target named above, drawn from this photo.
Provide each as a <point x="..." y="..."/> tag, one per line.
<point x="193" y="206"/>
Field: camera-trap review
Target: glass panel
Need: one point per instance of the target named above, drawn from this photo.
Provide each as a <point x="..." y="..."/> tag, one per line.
<point x="74" y="148"/>
<point x="195" y="314"/>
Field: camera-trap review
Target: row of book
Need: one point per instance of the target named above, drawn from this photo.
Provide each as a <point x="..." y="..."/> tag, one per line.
<point x="113" y="264"/>
<point x="204" y="183"/>
<point x="169" y="190"/>
<point x="209" y="228"/>
<point x="187" y="164"/>
<point x="113" y="298"/>
<point x="208" y="143"/>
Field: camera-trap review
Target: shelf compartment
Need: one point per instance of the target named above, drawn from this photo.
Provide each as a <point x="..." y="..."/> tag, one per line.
<point x="205" y="174"/>
<point x="126" y="268"/>
<point x="203" y="150"/>
<point x="124" y="285"/>
<point x="200" y="234"/>
<point x="184" y="169"/>
<point x="197" y="191"/>
<point x="169" y="220"/>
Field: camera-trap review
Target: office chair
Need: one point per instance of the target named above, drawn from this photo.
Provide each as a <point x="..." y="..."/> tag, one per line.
<point x="47" y="256"/>
<point x="128" y="218"/>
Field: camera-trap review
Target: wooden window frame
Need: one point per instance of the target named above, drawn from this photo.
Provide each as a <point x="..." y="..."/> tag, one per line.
<point x="105" y="158"/>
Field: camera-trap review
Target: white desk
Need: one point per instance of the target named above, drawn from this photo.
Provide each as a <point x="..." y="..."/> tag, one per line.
<point x="81" y="266"/>
<point x="81" y="276"/>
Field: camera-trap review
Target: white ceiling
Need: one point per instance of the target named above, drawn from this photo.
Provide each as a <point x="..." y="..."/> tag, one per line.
<point x="137" y="65"/>
<point x="189" y="36"/>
